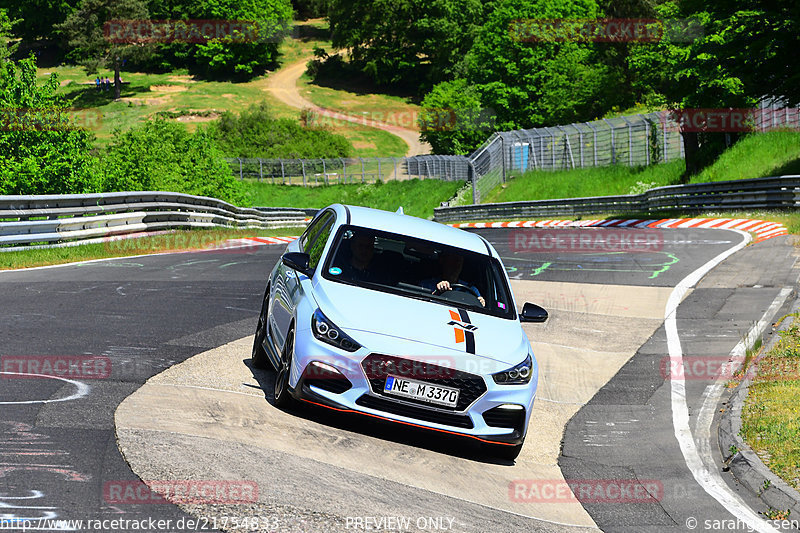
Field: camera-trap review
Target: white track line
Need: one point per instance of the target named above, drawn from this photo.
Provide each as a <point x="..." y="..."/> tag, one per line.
<point x="714" y="392"/>
<point x="708" y="479"/>
<point x="82" y="389"/>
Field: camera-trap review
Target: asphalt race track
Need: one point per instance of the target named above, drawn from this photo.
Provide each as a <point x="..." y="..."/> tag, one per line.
<point x="134" y="318"/>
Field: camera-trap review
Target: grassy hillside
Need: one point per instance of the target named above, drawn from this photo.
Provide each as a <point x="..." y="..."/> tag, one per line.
<point x="758" y="155"/>
<point x="192" y="101"/>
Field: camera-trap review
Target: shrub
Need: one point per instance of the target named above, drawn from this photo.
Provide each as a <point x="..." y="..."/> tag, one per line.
<point x="256" y="133"/>
<point x="163" y="156"/>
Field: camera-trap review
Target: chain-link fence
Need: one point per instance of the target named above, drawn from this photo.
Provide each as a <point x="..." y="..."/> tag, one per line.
<point x="634" y="140"/>
<point x="310" y="172"/>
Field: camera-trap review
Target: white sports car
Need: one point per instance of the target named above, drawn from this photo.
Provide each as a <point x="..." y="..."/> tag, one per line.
<point x="402" y="319"/>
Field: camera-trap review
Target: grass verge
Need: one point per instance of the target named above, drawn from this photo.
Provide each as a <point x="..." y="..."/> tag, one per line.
<point x="772" y="153"/>
<point x="770" y="424"/>
<point x="417" y="197"/>
<point x="173" y="241"/>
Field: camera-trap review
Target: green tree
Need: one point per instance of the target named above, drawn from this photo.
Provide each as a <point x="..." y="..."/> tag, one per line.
<point x="42" y="151"/>
<point x="89" y="40"/>
<point x="453" y="120"/>
<point x="7" y="46"/>
<point x="534" y="83"/>
<point x="239" y="55"/>
<point x="754" y="39"/>
<point x="414" y="42"/>
<point x="162" y="156"/>
<point x="692" y="73"/>
<point x="37" y="18"/>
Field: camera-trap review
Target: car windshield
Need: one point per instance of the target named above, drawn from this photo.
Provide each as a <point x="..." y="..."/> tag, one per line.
<point x="419" y="268"/>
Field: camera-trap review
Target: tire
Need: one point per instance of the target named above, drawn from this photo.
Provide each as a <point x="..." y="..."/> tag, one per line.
<point x="259" y="355"/>
<point x="503" y="451"/>
<point x="281" y="395"/>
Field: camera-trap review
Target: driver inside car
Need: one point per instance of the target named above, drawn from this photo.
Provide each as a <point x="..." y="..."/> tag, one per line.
<point x="450" y="265"/>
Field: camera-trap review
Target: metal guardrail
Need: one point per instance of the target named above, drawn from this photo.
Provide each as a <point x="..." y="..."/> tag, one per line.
<point x="65" y="219"/>
<point x="760" y="193"/>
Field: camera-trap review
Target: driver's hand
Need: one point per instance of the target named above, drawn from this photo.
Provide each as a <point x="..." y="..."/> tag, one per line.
<point x="443" y="286"/>
<point x="482" y="301"/>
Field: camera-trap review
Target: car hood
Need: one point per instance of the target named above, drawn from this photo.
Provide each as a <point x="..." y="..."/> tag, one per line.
<point x="424" y="324"/>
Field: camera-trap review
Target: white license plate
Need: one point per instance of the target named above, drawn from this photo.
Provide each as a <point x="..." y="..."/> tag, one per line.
<point x="426" y="392"/>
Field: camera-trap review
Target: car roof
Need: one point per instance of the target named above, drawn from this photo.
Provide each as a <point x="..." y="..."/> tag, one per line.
<point x="411" y="226"/>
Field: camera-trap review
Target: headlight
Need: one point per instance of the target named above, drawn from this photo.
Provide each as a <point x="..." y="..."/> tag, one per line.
<point x="519" y="375"/>
<point x="327" y="332"/>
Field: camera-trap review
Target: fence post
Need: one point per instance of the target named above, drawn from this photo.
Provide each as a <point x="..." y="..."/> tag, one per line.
<point x="260" y="169"/>
<point x="594" y="143"/>
<point x="503" y="156"/>
<point x="241" y="175"/>
<point x="613" y="140"/>
<point x="303" y="164"/>
<point x="394" y="159"/>
<point x="362" y="168"/>
<point x="647" y="141"/>
<point x="344" y="169"/>
<point x="380" y="176"/>
<point x="630" y="142"/>
<point x="324" y="172"/>
<point x="664" y="131"/>
<point x="471" y="176"/>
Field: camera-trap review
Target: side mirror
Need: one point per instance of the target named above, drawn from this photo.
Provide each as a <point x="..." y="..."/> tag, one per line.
<point x="532" y="313"/>
<point x="297" y="261"/>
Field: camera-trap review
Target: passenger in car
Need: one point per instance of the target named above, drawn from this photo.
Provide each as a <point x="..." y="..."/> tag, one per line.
<point x="362" y="263"/>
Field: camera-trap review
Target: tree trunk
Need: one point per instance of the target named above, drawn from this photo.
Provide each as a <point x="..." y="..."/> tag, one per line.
<point x="117" y="80"/>
<point x="690" y="149"/>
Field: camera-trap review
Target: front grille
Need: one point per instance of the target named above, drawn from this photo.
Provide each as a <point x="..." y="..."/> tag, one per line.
<point x="410" y="411"/>
<point x="504" y="418"/>
<point x="377" y="367"/>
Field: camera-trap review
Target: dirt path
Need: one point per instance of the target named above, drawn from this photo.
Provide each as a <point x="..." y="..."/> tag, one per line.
<point x="283" y="85"/>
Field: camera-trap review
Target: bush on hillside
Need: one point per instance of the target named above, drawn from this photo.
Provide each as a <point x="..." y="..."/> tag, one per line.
<point x="162" y="156"/>
<point x="256" y="133"/>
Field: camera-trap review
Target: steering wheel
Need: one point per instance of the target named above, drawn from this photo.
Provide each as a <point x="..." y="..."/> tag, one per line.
<point x="456" y="287"/>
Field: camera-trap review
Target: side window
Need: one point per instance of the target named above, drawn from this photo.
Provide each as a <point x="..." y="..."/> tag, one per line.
<point x="312" y="231"/>
<point x="315" y="248"/>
